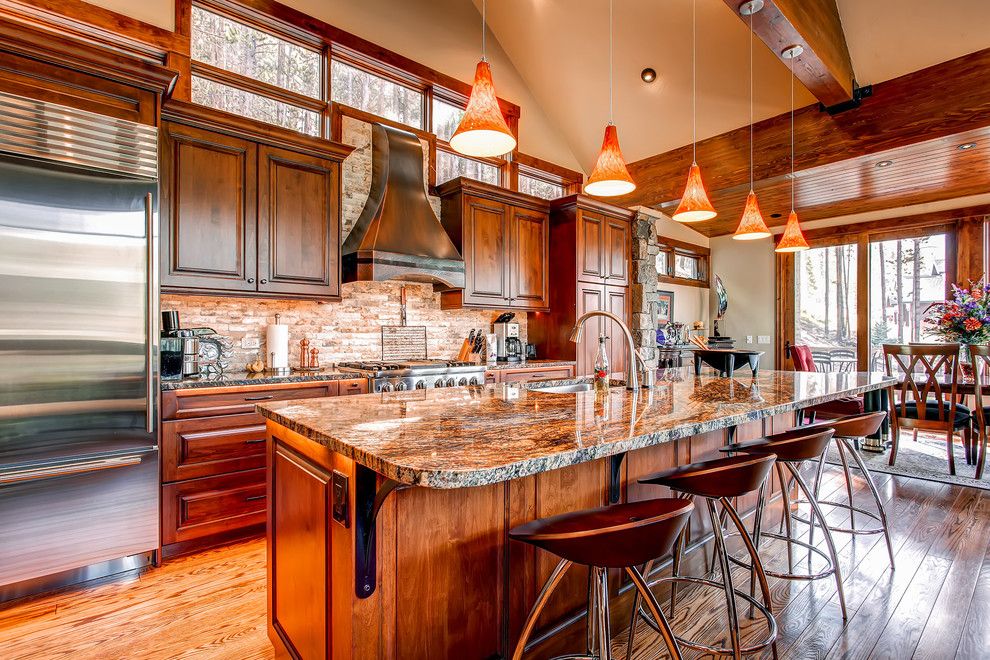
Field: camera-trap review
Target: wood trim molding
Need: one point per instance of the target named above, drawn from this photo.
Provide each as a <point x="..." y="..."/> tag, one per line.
<point x="892" y="224"/>
<point x="201" y="116"/>
<point x="592" y="204"/>
<point x="463" y="185"/>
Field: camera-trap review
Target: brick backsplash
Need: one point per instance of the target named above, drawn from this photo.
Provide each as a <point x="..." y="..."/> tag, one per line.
<point x="350" y="329"/>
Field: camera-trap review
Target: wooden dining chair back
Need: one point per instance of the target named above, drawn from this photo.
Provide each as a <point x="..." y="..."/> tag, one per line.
<point x="924" y="398"/>
<point x="981" y="377"/>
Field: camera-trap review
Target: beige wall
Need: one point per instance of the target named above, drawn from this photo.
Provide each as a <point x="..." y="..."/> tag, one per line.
<point x="442" y="34"/>
<point x="690" y="302"/>
<point x="747" y="270"/>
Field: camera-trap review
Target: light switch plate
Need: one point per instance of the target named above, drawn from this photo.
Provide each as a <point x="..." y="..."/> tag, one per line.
<point x="749" y="339"/>
<point x="764" y="339"/>
<point x="341" y="504"/>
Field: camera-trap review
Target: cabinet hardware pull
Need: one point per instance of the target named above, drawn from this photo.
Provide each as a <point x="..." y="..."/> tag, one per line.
<point x="263" y="281"/>
<point x="250" y="280"/>
<point x="152" y="309"/>
<point x="254" y="442"/>
<point x="259" y="398"/>
<point x="254" y="498"/>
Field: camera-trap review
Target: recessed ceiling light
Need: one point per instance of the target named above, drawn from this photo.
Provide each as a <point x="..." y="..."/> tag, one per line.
<point x="648" y="75"/>
<point x="885" y="163"/>
<point x="967" y="146"/>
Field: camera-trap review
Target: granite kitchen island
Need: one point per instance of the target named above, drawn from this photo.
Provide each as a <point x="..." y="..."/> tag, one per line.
<point x="389" y="513"/>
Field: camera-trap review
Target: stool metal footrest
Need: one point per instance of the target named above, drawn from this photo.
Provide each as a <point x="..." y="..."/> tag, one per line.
<point x="830" y="570"/>
<point x="845" y="530"/>
<point x="718" y="650"/>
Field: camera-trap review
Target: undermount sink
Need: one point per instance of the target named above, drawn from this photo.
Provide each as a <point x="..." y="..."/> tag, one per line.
<point x="573" y="388"/>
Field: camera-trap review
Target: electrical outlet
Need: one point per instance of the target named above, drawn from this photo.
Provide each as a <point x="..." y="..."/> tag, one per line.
<point x="749" y="339"/>
<point x="764" y="339"/>
<point x="251" y="342"/>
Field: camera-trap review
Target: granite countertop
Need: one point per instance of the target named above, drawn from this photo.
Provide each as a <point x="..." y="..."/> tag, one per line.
<point x="237" y="378"/>
<point x="472" y="436"/>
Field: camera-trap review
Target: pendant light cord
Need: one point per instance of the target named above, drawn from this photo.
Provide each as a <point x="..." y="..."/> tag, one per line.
<point x="484" y="11"/>
<point x="792" y="133"/>
<point x="751" y="102"/>
<point x="610" y="61"/>
<point x="694" y="82"/>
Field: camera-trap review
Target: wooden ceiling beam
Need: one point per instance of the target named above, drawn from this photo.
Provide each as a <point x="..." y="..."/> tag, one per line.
<point x="944" y="101"/>
<point x="824" y="67"/>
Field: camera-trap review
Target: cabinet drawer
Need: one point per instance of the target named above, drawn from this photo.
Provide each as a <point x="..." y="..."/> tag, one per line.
<point x="201" y="507"/>
<point x="526" y="375"/>
<point x="193" y="448"/>
<point x="185" y="404"/>
<point x="352" y="386"/>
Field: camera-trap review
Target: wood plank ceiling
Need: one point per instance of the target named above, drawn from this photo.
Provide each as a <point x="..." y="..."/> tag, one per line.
<point x="919" y="122"/>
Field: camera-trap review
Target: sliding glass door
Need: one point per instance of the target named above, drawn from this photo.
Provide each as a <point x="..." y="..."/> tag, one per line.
<point x="825" y="305"/>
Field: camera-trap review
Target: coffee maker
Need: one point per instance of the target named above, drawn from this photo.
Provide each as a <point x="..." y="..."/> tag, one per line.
<point x="509" y="345"/>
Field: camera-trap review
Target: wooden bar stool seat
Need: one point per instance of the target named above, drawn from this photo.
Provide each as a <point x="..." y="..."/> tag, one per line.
<point x="792" y="448"/>
<point x="618" y="536"/>
<point x="718" y="481"/>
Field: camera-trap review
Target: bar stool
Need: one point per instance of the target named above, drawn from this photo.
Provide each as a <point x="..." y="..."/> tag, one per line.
<point x="718" y="480"/>
<point x="792" y="449"/>
<point x="618" y="536"/>
<point x="848" y="432"/>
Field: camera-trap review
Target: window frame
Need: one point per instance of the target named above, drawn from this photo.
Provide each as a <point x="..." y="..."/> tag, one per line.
<point x="673" y="248"/>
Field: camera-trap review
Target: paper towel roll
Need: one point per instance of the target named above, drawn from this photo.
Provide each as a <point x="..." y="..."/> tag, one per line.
<point x="277" y="342"/>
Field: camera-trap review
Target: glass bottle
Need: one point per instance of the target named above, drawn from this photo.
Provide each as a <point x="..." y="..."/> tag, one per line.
<point x="601" y="366"/>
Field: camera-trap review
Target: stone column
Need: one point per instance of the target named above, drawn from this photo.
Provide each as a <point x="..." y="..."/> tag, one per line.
<point x="644" y="295"/>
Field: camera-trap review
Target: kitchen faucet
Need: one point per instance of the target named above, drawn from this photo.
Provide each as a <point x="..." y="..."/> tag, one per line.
<point x="632" y="376"/>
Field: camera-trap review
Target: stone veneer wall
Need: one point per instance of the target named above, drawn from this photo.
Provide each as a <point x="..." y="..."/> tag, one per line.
<point x="644" y="291"/>
<point x="350" y="329"/>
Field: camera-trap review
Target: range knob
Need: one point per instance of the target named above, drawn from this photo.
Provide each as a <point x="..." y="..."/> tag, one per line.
<point x="451" y="382"/>
<point x="387" y="387"/>
<point x="401" y="386"/>
<point x="439" y="383"/>
<point x="421" y="385"/>
<point x="462" y="382"/>
<point x="473" y="381"/>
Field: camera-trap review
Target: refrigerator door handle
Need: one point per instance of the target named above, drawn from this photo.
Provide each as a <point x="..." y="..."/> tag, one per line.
<point x="149" y="219"/>
<point x="64" y="469"/>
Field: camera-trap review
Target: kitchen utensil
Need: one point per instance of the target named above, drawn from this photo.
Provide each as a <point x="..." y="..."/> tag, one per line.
<point x="462" y="355"/>
<point x="504" y="331"/>
<point x="170" y="352"/>
<point x="170" y="323"/>
<point x="505" y="317"/>
<point x="513" y="349"/>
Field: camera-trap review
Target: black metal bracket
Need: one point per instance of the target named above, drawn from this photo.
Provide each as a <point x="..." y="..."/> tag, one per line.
<point x="859" y="93"/>
<point x="615" y="478"/>
<point x="368" y="501"/>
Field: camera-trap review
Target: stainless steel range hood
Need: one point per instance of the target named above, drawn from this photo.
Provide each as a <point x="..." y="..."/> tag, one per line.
<point x="398" y="236"/>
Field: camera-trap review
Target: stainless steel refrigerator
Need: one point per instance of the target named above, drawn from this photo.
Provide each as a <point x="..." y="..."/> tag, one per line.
<point x="78" y="346"/>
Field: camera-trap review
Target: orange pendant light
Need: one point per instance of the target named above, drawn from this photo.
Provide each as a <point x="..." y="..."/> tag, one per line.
<point x="610" y="176"/>
<point x="695" y="205"/>
<point x="483" y="131"/>
<point x="792" y="239"/>
<point x="751" y="225"/>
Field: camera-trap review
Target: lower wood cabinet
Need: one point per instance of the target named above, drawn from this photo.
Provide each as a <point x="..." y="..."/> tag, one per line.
<point x="527" y="374"/>
<point x="213" y="457"/>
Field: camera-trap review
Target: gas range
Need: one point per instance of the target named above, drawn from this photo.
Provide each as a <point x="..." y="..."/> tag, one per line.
<point x="416" y="374"/>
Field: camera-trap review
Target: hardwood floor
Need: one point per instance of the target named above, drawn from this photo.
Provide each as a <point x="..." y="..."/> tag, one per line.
<point x="936" y="604"/>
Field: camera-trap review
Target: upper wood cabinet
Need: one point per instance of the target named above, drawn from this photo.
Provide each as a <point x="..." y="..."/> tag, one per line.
<point x="247" y="208"/>
<point x="298" y="224"/>
<point x="603" y="247"/>
<point x="503" y="237"/>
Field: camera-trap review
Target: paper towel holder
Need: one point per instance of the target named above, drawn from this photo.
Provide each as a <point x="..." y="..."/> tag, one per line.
<point x="279" y="371"/>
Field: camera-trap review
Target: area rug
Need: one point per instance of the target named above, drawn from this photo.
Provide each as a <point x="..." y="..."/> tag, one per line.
<point x="924" y="459"/>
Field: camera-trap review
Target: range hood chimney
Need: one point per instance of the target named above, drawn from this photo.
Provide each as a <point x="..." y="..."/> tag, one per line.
<point x="398" y="236"/>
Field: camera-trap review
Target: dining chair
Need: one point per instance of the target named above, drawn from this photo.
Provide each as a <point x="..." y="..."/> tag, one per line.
<point x="927" y="387"/>
<point x="803" y="358"/>
<point x="981" y="375"/>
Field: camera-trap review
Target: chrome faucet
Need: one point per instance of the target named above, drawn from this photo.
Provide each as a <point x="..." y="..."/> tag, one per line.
<point x="632" y="376"/>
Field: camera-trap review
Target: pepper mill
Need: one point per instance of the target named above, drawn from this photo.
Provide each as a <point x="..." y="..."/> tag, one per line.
<point x="314" y="358"/>
<point x="304" y="354"/>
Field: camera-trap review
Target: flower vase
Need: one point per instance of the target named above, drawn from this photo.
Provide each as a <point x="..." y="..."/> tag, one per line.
<point x="965" y="363"/>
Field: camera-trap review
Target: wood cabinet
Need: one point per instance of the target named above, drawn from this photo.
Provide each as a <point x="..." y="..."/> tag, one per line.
<point x="247" y="208"/>
<point x="213" y="458"/>
<point x="503" y="237"/>
<point x="527" y="374"/>
<point x="591" y="256"/>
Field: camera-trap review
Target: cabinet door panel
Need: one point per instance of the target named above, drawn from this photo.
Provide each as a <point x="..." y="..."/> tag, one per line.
<point x="590" y="252"/>
<point x="616" y="301"/>
<point x="590" y="297"/>
<point x="208" y="210"/>
<point x="617" y="252"/>
<point x="486" y="247"/>
<point x="298" y="224"/>
<point x="530" y="254"/>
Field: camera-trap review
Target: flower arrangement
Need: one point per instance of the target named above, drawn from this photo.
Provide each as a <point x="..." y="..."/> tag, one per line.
<point x="965" y="318"/>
